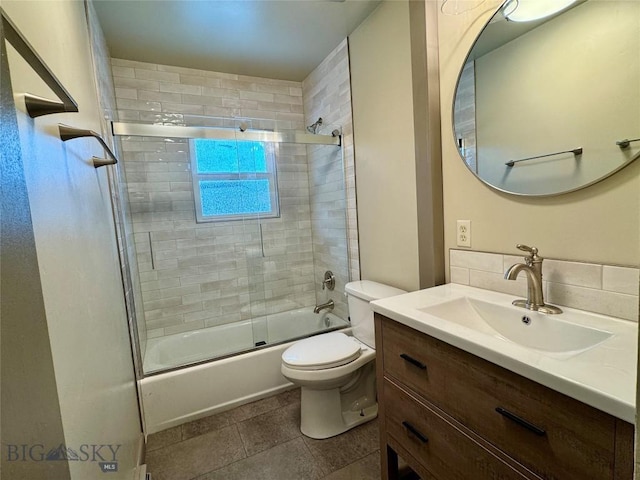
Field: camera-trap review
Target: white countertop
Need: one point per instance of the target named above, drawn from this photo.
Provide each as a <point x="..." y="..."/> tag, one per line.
<point x="603" y="377"/>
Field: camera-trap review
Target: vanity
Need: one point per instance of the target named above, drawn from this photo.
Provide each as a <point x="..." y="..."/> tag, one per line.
<point x="468" y="389"/>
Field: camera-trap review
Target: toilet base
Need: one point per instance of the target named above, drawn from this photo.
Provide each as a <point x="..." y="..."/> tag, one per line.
<point x="330" y="412"/>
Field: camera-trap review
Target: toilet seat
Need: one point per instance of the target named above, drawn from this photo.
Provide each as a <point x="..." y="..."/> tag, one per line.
<point x="320" y="352"/>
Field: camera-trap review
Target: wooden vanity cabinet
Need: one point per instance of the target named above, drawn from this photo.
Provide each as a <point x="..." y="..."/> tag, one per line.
<point x="452" y="415"/>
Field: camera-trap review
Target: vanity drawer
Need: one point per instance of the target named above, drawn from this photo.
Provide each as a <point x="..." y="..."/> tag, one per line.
<point x="440" y="447"/>
<point x="575" y="441"/>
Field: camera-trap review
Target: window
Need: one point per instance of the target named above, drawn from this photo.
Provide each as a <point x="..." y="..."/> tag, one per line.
<point x="233" y="179"/>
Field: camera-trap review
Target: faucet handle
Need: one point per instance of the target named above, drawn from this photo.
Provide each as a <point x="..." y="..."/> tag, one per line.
<point x="532" y="251"/>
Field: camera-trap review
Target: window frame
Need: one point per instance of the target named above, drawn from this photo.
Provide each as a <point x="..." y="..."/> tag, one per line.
<point x="271" y="174"/>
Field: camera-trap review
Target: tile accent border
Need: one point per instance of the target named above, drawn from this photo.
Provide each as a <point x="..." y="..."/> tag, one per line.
<point x="605" y="289"/>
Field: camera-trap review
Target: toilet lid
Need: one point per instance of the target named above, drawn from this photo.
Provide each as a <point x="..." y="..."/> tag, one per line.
<point x="322" y="351"/>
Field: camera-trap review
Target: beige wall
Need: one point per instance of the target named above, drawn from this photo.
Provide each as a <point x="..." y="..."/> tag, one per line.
<point x="598" y="224"/>
<point x="384" y="146"/>
<point x="75" y="242"/>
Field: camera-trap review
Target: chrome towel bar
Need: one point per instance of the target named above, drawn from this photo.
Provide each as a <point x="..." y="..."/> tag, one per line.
<point x="69" y="133"/>
<point x="625" y="143"/>
<point x="575" y="151"/>
<point x="37" y="106"/>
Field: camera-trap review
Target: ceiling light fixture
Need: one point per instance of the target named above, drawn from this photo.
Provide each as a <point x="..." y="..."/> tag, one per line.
<point x="529" y="10"/>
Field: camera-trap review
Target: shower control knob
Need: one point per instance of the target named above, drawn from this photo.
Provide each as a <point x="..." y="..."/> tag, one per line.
<point x="329" y="280"/>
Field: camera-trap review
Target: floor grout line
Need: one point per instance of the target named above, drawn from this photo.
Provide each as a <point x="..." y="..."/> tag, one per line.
<point x="317" y="458"/>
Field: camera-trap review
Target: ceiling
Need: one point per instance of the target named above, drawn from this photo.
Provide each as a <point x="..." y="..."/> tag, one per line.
<point x="282" y="39"/>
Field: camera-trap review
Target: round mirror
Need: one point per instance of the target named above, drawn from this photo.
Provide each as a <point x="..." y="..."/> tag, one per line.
<point x="551" y="105"/>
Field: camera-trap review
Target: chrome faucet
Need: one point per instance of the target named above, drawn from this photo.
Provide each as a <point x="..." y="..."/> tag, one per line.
<point x="533" y="270"/>
<point x="328" y="306"/>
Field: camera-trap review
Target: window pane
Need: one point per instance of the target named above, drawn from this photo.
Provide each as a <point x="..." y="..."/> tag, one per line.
<point x="230" y="156"/>
<point x="234" y="197"/>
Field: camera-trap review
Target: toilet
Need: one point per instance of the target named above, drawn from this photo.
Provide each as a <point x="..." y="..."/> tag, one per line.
<point x="336" y="372"/>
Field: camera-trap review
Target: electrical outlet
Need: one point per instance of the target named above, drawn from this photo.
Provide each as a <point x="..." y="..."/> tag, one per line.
<point x="463" y="233"/>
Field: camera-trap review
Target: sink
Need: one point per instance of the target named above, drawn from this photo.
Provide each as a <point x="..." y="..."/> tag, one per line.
<point x="548" y="333"/>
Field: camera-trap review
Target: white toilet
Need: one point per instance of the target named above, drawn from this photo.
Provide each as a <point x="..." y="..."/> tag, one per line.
<point x="337" y="371"/>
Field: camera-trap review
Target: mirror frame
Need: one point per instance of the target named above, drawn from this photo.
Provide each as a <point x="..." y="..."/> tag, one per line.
<point x="502" y="190"/>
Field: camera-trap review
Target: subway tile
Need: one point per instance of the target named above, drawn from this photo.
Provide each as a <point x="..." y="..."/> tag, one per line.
<point x="182" y="108"/>
<point x="130" y="104"/>
<point x="156" y="322"/>
<point x="130" y="93"/>
<point x="151" y="305"/>
<point x="216" y="91"/>
<point x="179" y="88"/>
<point x="245" y="95"/>
<point x="120" y="62"/>
<point x="154" y="96"/>
<point x="620" y="279"/>
<point x="145" y="74"/>
<point x="127" y="72"/>
<point x="282" y="89"/>
<point x="155" y="333"/>
<point x="199" y="80"/>
<point x="594" y="300"/>
<point x="206" y="315"/>
<point x="496" y="282"/>
<point x="572" y="273"/>
<point x="488" y="262"/>
<point x="126" y="82"/>
<point x="182" y="309"/>
<point x="459" y="275"/>
<point x="160" y="284"/>
<point x="170" y="292"/>
<point x="184" y="327"/>
<point x="237" y="84"/>
<point x="201" y="100"/>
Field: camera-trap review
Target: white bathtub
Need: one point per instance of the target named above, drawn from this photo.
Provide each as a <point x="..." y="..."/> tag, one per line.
<point x="186" y="394"/>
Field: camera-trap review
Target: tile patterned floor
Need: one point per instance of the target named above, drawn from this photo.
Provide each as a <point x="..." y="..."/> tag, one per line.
<point x="261" y="441"/>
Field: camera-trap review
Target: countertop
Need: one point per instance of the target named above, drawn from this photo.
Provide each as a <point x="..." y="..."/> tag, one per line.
<point x="603" y="376"/>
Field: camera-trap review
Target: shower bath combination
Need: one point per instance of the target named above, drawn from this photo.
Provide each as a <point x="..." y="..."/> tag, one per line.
<point x="225" y="297"/>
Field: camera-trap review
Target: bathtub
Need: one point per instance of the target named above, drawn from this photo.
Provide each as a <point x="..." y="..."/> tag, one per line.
<point x="207" y="387"/>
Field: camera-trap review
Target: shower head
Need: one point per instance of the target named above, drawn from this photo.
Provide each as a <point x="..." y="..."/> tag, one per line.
<point x="313" y="128"/>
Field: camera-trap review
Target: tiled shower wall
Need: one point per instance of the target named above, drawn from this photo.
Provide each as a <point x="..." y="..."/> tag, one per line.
<point x="606" y="289"/>
<point x="327" y="94"/>
<point x="213" y="273"/>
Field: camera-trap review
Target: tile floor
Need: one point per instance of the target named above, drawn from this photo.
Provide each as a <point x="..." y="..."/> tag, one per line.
<point x="261" y="441"/>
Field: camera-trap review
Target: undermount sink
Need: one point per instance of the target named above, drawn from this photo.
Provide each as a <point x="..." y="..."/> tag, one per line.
<point x="549" y="333"/>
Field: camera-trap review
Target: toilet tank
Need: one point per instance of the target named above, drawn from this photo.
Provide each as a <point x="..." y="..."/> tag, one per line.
<point x="359" y="294"/>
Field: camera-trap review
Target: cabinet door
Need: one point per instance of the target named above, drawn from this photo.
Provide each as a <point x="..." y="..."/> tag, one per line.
<point x="551" y="434"/>
<point x="444" y="450"/>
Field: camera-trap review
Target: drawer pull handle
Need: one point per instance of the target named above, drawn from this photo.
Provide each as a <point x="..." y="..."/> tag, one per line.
<point x="415" y="431"/>
<point x="521" y="421"/>
<point x="413" y="361"/>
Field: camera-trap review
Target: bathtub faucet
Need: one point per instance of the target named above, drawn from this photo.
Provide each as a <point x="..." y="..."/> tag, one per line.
<point x="329" y="306"/>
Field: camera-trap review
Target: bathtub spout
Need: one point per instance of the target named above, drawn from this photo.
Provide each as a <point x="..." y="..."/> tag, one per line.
<point x="329" y="306"/>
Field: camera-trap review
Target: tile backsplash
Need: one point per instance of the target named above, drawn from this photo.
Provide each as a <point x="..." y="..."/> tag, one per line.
<point x="606" y="289"/>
